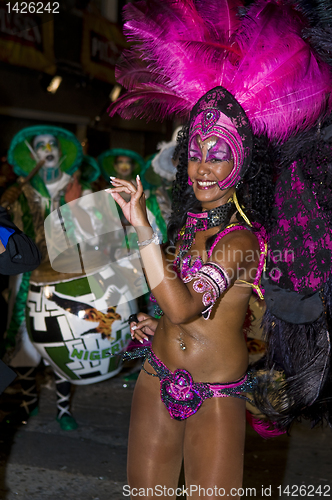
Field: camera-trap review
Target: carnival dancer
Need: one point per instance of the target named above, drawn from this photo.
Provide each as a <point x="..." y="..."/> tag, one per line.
<point x="54" y="185"/>
<point x="245" y="80"/>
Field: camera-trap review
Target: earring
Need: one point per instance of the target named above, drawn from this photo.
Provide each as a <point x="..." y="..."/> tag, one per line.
<point x="190" y="182"/>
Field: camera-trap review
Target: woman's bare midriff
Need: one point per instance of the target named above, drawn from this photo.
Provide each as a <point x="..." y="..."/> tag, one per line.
<point x="215" y="349"/>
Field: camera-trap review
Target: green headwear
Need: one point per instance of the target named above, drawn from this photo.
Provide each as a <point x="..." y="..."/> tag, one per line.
<point x="20" y="156"/>
<point x="107" y="158"/>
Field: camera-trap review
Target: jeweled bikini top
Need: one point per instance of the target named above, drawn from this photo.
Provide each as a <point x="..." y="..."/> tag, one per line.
<point x="185" y="267"/>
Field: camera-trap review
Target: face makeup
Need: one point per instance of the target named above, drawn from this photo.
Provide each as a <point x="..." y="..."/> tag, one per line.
<point x="210" y="162"/>
<point x="217" y="149"/>
<point x="47" y="148"/>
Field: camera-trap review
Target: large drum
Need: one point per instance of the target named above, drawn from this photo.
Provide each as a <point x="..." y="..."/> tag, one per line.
<point x="79" y="323"/>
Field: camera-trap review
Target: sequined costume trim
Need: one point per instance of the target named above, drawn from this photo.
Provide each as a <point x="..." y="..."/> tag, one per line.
<point x="180" y="394"/>
<point x="188" y="271"/>
<point x="211" y="280"/>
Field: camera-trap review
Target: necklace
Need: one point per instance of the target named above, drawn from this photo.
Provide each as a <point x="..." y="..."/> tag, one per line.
<point x="201" y="221"/>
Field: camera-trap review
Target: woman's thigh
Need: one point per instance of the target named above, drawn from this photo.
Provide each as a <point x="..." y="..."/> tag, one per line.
<point x="155" y="447"/>
<point x="214" y="448"/>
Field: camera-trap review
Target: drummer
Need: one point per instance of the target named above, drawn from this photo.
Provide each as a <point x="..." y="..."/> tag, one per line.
<point x="54" y="185"/>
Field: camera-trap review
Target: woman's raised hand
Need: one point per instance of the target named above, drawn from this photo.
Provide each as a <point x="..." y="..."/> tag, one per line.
<point x="134" y="210"/>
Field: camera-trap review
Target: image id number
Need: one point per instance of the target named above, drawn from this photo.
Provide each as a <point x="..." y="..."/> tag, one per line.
<point x="33" y="7"/>
<point x="305" y="491"/>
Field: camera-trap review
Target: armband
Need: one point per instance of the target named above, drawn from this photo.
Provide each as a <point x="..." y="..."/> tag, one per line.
<point x="211" y="280"/>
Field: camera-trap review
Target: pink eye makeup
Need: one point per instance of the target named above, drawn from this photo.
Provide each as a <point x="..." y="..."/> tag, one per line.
<point x="217" y="149"/>
<point x="195" y="150"/>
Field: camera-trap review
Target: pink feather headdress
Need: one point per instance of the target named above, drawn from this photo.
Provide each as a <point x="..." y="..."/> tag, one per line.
<point x="183" y="48"/>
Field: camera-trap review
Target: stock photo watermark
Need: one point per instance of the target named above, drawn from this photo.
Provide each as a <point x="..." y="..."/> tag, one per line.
<point x="294" y="490"/>
<point x="102" y="228"/>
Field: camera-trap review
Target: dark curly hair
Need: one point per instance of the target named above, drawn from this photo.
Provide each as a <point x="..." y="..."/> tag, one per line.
<point x="255" y="193"/>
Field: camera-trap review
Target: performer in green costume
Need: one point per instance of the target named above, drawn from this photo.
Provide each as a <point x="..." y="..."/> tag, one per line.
<point x="56" y="183"/>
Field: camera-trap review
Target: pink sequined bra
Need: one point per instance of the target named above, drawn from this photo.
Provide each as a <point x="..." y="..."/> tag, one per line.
<point x="211" y="279"/>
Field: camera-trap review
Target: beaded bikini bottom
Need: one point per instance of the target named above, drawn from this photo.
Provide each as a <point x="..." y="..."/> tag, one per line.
<point x="180" y="394"/>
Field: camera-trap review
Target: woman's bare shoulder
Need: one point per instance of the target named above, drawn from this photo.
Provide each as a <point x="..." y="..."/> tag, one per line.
<point x="237" y="246"/>
<point x="239" y="238"/>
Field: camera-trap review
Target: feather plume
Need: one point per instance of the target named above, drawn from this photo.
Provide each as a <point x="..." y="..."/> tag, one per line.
<point x="183" y="48"/>
<point x="221" y="17"/>
<point x="133" y="71"/>
<point x="318" y="32"/>
<point x="279" y="82"/>
<point x="149" y="102"/>
<point x="264" y="428"/>
<point x="302" y="354"/>
<point x="175" y="43"/>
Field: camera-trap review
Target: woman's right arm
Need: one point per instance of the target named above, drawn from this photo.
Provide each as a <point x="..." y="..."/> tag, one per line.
<point x="182" y="301"/>
<point x="146" y="325"/>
